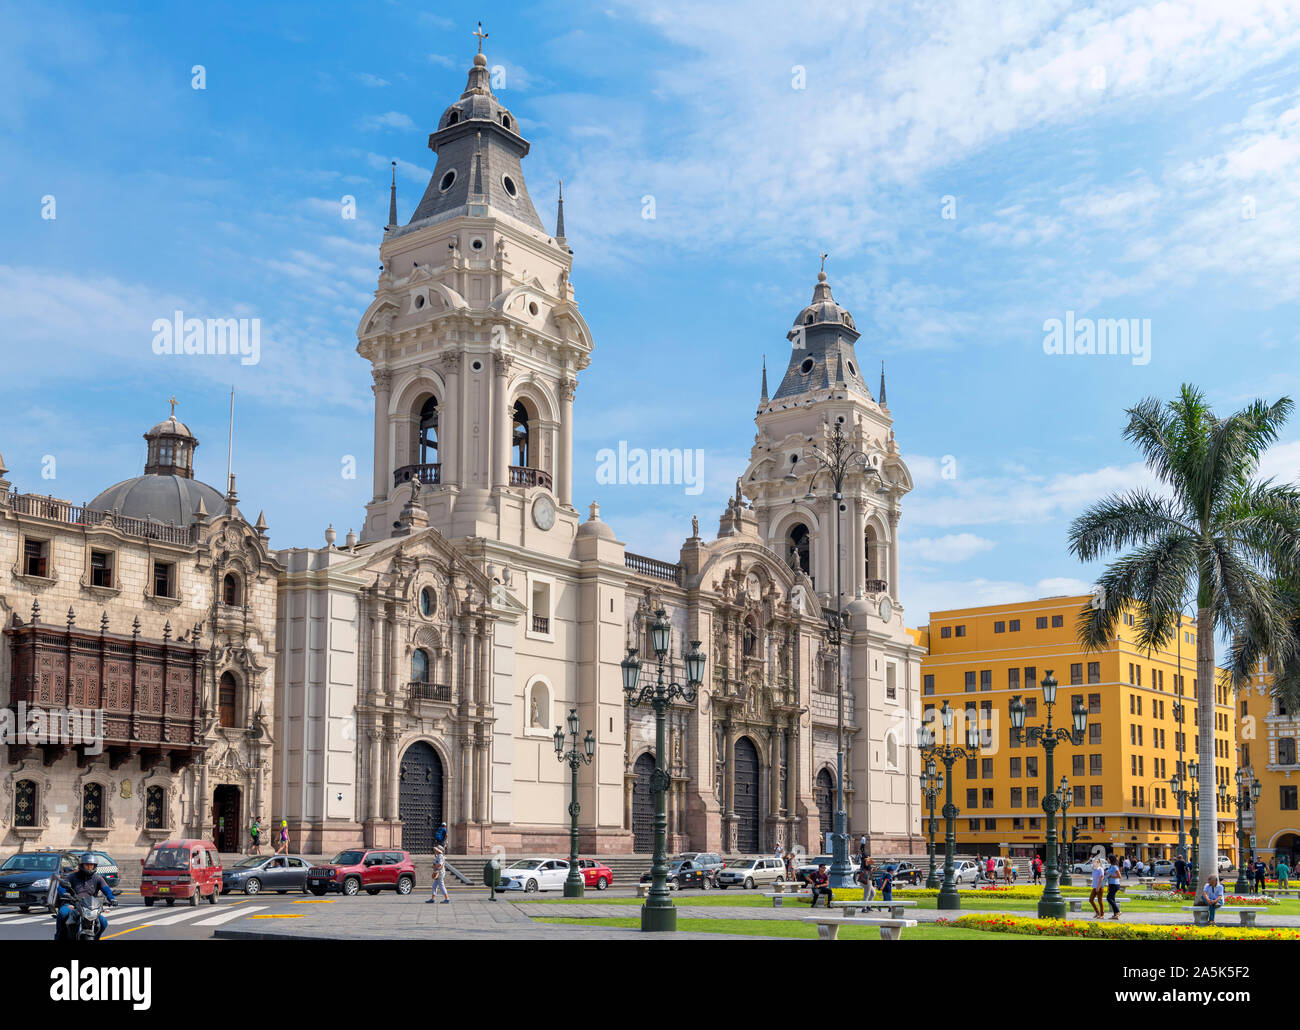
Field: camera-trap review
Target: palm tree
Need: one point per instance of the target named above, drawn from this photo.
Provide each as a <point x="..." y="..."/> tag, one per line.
<point x="1214" y="533"/>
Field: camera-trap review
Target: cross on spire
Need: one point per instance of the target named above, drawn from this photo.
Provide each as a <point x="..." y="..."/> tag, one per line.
<point x="481" y="36"/>
<point x="172" y="401"/>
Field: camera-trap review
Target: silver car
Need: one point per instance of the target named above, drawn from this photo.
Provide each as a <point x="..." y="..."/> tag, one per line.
<point x="750" y="873"/>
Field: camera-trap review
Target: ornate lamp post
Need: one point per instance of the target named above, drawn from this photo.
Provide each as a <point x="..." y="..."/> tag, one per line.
<point x="658" y="913"/>
<point x="1179" y="711"/>
<point x="931" y="784"/>
<point x="1247" y="794"/>
<point x="1194" y="796"/>
<point x="1067" y="846"/>
<point x="837" y="460"/>
<point x="1051" y="905"/>
<point x="576" y="759"/>
<point x="949" y="898"/>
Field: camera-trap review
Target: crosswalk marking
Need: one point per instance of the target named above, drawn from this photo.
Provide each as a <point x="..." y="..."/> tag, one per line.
<point x="179" y="917"/>
<point x="226" y="917"/>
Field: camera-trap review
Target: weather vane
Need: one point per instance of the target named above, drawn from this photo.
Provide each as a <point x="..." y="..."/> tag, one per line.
<point x="481" y="36"/>
<point x="824" y="257"/>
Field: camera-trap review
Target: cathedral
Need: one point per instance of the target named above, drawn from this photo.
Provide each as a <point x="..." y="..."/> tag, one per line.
<point x="412" y="675"/>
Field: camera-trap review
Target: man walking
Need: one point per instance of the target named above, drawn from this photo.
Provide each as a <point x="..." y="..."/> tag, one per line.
<point x="254" y="833"/>
<point x="1094" y="896"/>
<point x="1180" y="873"/>
<point x="439" y="879"/>
<point x="1112" y="888"/>
<point x="1127" y="866"/>
<point x="1283" y="871"/>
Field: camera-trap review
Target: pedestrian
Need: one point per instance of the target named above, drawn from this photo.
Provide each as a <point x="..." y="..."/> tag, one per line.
<point x="1180" y="873"/>
<point x="790" y="875"/>
<point x="1211" y="896"/>
<point x="991" y="870"/>
<point x="1038" y="869"/>
<point x="254" y="833"/>
<point x="867" y="877"/>
<point x="283" y="848"/>
<point x="820" y="884"/>
<point x="886" y="884"/>
<point x="439" y="879"/>
<point x="1261" y="876"/>
<point x="1283" y="871"/>
<point x="1127" y="866"/>
<point x="1112" y="888"/>
<point x="440" y="836"/>
<point x="1094" y="896"/>
<point x="1008" y="870"/>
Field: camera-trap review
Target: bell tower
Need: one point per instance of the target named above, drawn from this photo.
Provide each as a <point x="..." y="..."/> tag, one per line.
<point x="475" y="341"/>
<point x="823" y="387"/>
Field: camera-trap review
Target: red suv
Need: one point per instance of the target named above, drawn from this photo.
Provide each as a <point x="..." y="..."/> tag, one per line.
<point x="368" y="869"/>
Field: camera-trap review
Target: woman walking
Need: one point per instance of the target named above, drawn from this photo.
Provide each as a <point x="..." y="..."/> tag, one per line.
<point x="1094" y="897"/>
<point x="1112" y="888"/>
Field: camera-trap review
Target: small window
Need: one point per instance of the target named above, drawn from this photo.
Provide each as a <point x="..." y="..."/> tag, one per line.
<point x="999" y="627"/>
<point x="92" y="806"/>
<point x="101" y="569"/>
<point x="36" y="558"/>
<point x="428" y="602"/>
<point x="961" y="631"/>
<point x="25" y="803"/>
<point x="945" y="632"/>
<point x="541" y="620"/>
<point x="807" y="366"/>
<point x="447" y="181"/>
<point x="164" y="579"/>
<point x="154" y="809"/>
<point x="231" y="593"/>
<point x="505" y="120"/>
<point x="852" y="371"/>
<point x="420" y="666"/>
<point x="453" y="118"/>
<point x="1013" y="626"/>
<point x="1058" y="621"/>
<point x="226" y="691"/>
<point x="1040" y="622"/>
<point x="509" y="184"/>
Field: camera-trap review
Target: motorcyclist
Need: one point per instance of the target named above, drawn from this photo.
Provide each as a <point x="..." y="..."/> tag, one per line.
<point x="82" y="882"/>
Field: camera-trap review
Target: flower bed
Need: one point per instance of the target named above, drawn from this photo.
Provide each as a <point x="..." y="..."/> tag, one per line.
<point x="1027" y="892"/>
<point x="1116" y="931"/>
<point x="1231" y="899"/>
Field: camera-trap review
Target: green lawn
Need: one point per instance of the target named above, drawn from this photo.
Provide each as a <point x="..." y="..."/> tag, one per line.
<point x="788" y="928"/>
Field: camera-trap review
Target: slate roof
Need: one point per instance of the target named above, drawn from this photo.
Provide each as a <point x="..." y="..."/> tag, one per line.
<point x="821" y="354"/>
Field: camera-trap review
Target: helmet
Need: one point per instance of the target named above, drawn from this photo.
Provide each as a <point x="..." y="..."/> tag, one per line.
<point x="88" y="859"/>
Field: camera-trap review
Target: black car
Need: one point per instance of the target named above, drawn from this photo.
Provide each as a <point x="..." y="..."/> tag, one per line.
<point x="279" y="873"/>
<point x="683" y="875"/>
<point x="25" y="877"/>
<point x="902" y="872"/>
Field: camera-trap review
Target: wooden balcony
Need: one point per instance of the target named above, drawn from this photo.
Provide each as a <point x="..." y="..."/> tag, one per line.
<point x="147" y="690"/>
<point x="420" y="691"/>
<point x="429" y="474"/>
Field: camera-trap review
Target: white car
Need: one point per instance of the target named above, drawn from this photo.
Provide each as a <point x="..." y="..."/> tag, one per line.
<point x="534" y="874"/>
<point x="750" y="873"/>
<point x="1224" y="863"/>
<point x="965" y="871"/>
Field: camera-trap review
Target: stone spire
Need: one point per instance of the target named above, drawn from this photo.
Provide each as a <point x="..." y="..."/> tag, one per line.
<point x="559" y="217"/>
<point x="764" y="396"/>
<point x="392" y="200"/>
<point x="883" y="402"/>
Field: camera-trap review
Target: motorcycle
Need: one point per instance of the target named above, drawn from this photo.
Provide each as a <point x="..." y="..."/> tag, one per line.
<point x="82" y="923"/>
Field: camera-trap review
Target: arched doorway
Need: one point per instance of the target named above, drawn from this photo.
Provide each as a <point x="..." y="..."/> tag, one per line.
<point x="226" y="818"/>
<point x="746" y="795"/>
<point x="419" y="804"/>
<point x="1287" y="846"/>
<point x="824" y="792"/>
<point x="643" y="804"/>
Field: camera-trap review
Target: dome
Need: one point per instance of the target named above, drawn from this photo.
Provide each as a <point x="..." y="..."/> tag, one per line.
<point x="823" y="308"/>
<point x="170" y="427"/>
<point x="594" y="526"/>
<point x="163" y="498"/>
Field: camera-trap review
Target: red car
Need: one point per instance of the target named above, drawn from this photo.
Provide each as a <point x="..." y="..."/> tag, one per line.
<point x="183" y="868"/>
<point x="595" y="874"/>
<point x="369" y="869"/>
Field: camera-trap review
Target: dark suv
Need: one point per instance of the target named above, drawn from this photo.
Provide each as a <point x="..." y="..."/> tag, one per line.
<point x="369" y="869"/>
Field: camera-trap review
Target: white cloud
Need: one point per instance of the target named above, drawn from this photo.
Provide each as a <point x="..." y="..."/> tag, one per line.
<point x="388" y="120"/>
<point x="954" y="547"/>
<point x="373" y="81"/>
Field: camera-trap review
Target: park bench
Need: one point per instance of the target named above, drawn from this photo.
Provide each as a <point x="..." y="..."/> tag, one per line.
<point x="779" y="897"/>
<point x="789" y="887"/>
<point x="828" y="926"/>
<point x="895" y="907"/>
<point x="643" y="889"/>
<point x="1283" y="892"/>
<point x="1076" y="904"/>
<point x="1201" y="913"/>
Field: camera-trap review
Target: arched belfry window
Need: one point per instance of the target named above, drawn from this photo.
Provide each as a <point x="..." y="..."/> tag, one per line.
<point x="799" y="547"/>
<point x="519" y="437"/>
<point x="429" y="432"/>
<point x="227" y="693"/>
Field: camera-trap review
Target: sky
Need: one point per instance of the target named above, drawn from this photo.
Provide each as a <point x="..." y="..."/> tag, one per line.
<point x="974" y="171"/>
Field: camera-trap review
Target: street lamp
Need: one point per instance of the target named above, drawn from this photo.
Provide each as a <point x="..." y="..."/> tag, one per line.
<point x="658" y="913"/>
<point x="1067" y="849"/>
<point x="1179" y="711"/>
<point x="931" y="784"/>
<point x="837" y="459"/>
<point x="576" y="759"/>
<point x="949" y="898"/>
<point x="1051" y="905"/>
<point x="1246" y="795"/>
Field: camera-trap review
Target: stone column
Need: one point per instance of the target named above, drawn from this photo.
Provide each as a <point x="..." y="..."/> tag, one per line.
<point x="374" y="761"/>
<point x="564" y="460"/>
<point x="450" y="419"/>
<point x="391" y="779"/>
<point x="857" y="528"/>
<point x="501" y="422"/>
<point x="893" y="554"/>
<point x="383" y="382"/>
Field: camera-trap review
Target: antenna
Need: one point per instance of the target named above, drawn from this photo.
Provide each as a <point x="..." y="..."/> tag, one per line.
<point x="230" y="442"/>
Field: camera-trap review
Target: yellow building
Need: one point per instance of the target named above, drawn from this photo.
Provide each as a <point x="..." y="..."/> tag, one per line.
<point x="1266" y="738"/>
<point x="979" y="658"/>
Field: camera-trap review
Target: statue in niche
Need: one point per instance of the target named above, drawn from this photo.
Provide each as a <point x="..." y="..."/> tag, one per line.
<point x="535" y="717"/>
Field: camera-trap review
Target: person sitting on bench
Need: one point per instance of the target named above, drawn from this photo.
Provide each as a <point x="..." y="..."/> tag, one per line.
<point x="820" y="884"/>
<point x="1211" y="896"/>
